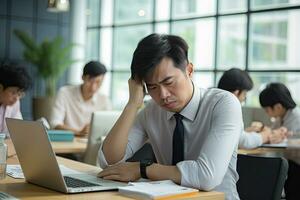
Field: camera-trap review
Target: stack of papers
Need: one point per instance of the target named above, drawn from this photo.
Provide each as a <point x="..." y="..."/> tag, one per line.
<point x="156" y="190"/>
<point x="15" y="171"/>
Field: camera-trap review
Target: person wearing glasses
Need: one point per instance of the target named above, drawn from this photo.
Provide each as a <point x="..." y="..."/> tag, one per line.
<point x="239" y="82"/>
<point x="75" y="104"/>
<point x="14" y="81"/>
<point x="194" y="132"/>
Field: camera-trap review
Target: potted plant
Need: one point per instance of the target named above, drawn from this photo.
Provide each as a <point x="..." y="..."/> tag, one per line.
<point x="51" y="59"/>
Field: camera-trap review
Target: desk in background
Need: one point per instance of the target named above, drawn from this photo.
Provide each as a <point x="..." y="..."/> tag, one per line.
<point x="262" y="151"/>
<point x="78" y="145"/>
<point x="20" y="189"/>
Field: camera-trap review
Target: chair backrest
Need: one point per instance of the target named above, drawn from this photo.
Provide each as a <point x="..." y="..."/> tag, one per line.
<point x="261" y="178"/>
<point x="101" y="123"/>
<point x="144" y="153"/>
<point x="251" y="114"/>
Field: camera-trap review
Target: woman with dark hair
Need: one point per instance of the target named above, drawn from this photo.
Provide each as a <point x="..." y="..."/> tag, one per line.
<point x="277" y="101"/>
<point x="14" y="81"/>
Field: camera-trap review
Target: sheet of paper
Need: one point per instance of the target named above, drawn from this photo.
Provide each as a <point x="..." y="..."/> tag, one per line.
<point x="15" y="171"/>
<point x="279" y="145"/>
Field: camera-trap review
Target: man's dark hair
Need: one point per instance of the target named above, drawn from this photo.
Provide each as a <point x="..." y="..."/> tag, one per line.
<point x="276" y="93"/>
<point x="153" y="48"/>
<point x="235" y="79"/>
<point x="14" y="76"/>
<point x="94" y="68"/>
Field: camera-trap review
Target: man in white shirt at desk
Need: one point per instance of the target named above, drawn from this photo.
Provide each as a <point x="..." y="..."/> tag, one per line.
<point x="194" y="132"/>
<point x="74" y="105"/>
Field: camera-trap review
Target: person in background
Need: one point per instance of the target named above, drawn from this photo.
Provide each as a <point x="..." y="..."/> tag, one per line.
<point x="14" y="81"/>
<point x="239" y="82"/>
<point x="194" y="132"/>
<point x="74" y="105"/>
<point x="278" y="103"/>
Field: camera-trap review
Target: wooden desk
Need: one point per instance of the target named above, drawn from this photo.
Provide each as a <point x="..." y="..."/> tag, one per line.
<point x="78" y="145"/>
<point x="262" y="150"/>
<point x="20" y="189"/>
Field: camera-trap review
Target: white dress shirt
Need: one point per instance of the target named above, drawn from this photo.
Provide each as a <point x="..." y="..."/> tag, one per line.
<point x="12" y="111"/>
<point x="212" y="126"/>
<point x="250" y="140"/>
<point x="72" y="110"/>
<point x="291" y="121"/>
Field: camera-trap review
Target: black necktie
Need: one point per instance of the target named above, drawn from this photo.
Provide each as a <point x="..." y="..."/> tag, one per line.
<point x="178" y="140"/>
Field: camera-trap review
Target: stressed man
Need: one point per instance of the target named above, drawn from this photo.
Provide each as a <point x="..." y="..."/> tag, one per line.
<point x="194" y="132"/>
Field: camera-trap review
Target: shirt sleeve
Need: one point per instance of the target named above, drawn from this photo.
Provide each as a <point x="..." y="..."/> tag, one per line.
<point x="209" y="169"/>
<point x="136" y="138"/>
<point x="58" y="111"/>
<point x="250" y="140"/>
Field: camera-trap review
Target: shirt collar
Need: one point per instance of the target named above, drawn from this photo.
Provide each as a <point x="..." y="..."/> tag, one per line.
<point x="287" y="114"/>
<point x="190" y="110"/>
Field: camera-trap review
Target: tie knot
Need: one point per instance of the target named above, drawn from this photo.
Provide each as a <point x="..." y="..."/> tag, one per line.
<point x="178" y="116"/>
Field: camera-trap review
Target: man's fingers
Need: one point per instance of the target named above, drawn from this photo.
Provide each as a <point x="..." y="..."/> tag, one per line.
<point x="114" y="177"/>
<point x="107" y="172"/>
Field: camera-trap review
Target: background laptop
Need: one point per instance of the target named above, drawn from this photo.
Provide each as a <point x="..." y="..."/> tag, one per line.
<point x="39" y="163"/>
<point x="101" y="123"/>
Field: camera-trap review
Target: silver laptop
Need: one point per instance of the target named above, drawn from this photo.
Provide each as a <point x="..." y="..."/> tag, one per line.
<point x="101" y="123"/>
<point x="39" y="164"/>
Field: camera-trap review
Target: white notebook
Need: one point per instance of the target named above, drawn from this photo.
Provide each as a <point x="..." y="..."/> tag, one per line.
<point x="156" y="190"/>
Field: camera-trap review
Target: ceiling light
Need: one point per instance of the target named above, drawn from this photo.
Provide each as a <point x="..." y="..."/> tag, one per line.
<point x="58" y="5"/>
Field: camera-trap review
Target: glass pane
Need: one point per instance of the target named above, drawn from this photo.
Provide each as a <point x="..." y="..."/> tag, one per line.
<point x="93" y="16"/>
<point x="227" y="6"/>
<point x="128" y="11"/>
<point x="162" y="9"/>
<point x="106" y="84"/>
<point x="200" y="36"/>
<point x="125" y="42"/>
<point x="106" y="46"/>
<point x="203" y="79"/>
<point x="266" y="4"/>
<point x="162" y="28"/>
<point x="274" y="40"/>
<point x="232" y="42"/>
<point x="92" y="47"/>
<point x="120" y="93"/>
<point x="106" y="12"/>
<point x="192" y="8"/>
<point x="291" y="80"/>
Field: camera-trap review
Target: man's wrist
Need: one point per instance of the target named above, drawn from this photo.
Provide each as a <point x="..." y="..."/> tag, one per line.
<point x="143" y="168"/>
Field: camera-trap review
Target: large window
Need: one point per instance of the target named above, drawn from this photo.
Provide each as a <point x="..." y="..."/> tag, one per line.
<point x="259" y="36"/>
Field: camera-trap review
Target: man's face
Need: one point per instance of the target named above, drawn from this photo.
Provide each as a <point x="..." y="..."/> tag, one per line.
<point x="170" y="87"/>
<point x="272" y="111"/>
<point x="92" y="84"/>
<point x="10" y="95"/>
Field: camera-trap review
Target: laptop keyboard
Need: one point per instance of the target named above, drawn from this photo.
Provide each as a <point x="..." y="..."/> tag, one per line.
<point x="75" y="183"/>
<point x="5" y="196"/>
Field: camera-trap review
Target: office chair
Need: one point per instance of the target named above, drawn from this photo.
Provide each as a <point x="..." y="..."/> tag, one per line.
<point x="101" y="123"/>
<point x="261" y="178"/>
<point x="144" y="153"/>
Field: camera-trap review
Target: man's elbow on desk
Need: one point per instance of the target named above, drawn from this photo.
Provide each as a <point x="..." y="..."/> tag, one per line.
<point x="192" y="176"/>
